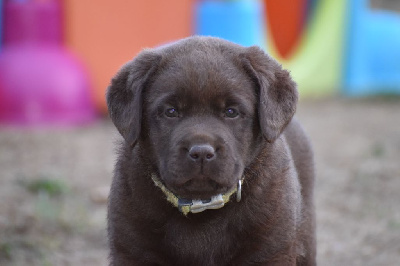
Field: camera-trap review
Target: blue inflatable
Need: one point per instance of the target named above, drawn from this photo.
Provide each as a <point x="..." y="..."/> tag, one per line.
<point x="241" y="22"/>
<point x="372" y="58"/>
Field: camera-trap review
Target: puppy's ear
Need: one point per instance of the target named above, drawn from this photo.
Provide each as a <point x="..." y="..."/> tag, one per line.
<point x="277" y="92"/>
<point x="124" y="95"/>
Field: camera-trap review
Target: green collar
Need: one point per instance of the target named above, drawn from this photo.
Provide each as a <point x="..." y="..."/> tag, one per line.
<point x="195" y="206"/>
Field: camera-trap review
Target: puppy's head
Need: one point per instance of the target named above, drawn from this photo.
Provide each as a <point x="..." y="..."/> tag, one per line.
<point x="203" y="107"/>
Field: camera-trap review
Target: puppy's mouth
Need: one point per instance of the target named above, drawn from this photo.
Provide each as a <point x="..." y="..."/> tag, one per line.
<point x="200" y="190"/>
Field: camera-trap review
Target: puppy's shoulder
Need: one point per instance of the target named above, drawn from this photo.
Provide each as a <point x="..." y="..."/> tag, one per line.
<point x="296" y="137"/>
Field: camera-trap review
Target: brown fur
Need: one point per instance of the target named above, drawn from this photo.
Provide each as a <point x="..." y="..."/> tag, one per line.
<point x="201" y="78"/>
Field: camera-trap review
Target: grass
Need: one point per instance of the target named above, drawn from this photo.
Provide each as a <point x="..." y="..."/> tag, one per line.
<point x="378" y="150"/>
<point x="50" y="187"/>
<point x="57" y="213"/>
<point x="5" y="250"/>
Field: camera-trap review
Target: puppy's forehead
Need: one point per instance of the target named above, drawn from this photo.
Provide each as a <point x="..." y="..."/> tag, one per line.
<point x="204" y="74"/>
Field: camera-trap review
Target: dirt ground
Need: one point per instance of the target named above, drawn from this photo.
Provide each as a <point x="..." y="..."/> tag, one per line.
<point x="50" y="178"/>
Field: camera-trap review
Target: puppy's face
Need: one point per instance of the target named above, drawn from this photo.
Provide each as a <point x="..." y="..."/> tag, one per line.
<point x="201" y="107"/>
<point x="200" y="112"/>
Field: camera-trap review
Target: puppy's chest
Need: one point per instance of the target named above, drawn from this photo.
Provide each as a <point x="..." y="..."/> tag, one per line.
<point x="204" y="244"/>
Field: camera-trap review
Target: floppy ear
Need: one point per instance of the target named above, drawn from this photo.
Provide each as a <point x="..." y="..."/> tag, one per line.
<point x="124" y="95"/>
<point x="277" y="92"/>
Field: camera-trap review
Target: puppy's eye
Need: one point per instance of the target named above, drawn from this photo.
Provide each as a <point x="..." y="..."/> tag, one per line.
<point x="231" y="112"/>
<point x="171" y="112"/>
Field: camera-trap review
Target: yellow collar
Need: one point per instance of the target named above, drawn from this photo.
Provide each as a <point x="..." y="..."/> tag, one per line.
<point x="195" y="206"/>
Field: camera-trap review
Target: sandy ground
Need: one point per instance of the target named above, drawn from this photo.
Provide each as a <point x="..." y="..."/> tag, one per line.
<point x="357" y="153"/>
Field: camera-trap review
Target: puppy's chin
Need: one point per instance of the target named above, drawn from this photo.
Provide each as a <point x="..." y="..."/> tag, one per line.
<point x="200" y="189"/>
<point x="199" y="195"/>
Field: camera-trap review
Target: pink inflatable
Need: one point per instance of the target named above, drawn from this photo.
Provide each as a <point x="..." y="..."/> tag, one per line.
<point x="41" y="83"/>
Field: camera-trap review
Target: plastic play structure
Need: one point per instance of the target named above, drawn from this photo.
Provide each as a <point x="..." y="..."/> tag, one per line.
<point x="1" y="21"/>
<point x="316" y="61"/>
<point x="372" y="53"/>
<point x="238" y="21"/>
<point x="286" y="24"/>
<point x="108" y="33"/>
<point x="329" y="46"/>
<point x="41" y="82"/>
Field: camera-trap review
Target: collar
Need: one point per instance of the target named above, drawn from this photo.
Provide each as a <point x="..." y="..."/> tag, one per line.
<point x="195" y="206"/>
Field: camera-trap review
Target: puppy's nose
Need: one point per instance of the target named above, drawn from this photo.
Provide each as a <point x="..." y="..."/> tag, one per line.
<point x="201" y="153"/>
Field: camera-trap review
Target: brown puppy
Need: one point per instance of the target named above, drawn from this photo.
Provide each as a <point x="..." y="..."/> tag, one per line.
<point x="212" y="169"/>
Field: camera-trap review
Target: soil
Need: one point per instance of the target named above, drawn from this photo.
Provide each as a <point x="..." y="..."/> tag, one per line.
<point x="52" y="182"/>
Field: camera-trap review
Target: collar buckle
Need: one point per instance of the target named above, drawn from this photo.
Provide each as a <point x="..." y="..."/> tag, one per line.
<point x="239" y="191"/>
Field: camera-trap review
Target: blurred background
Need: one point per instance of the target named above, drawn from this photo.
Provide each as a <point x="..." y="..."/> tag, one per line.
<point x="57" y="152"/>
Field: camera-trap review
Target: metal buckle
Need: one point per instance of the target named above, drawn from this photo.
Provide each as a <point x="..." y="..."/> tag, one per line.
<point x="239" y="190"/>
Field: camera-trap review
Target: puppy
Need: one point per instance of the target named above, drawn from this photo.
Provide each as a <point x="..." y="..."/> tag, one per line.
<point x="212" y="170"/>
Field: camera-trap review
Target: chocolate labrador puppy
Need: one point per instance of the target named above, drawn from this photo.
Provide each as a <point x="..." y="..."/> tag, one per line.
<point x="212" y="170"/>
